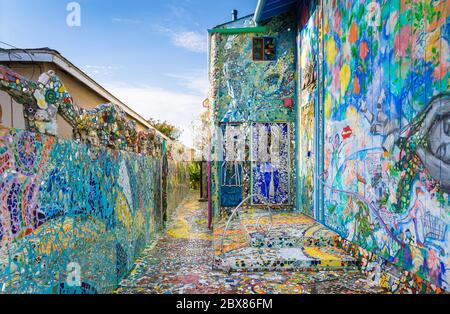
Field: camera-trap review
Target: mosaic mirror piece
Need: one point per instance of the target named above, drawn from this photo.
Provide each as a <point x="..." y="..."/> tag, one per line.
<point x="270" y="163"/>
<point x="231" y="169"/>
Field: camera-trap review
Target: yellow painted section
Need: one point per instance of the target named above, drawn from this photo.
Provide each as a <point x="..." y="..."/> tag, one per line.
<point x="331" y="51"/>
<point x="316" y="252"/>
<point x="312" y="230"/>
<point x="327" y="106"/>
<point x="181" y="227"/>
<point x="63" y="233"/>
<point x="344" y="78"/>
<point x="123" y="211"/>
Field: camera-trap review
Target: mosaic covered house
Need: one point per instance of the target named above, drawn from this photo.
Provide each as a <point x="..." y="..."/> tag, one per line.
<point x="356" y="96"/>
<point x="252" y="102"/>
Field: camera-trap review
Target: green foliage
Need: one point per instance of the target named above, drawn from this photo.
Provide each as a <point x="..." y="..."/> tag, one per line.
<point x="195" y="175"/>
<point x="166" y="128"/>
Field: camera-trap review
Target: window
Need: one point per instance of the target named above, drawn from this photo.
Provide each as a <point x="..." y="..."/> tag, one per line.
<point x="264" y="49"/>
<point x="258" y="49"/>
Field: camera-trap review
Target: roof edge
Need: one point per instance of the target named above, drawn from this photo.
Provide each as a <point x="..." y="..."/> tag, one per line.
<point x="259" y="11"/>
<point x="230" y="22"/>
<point x="15" y="55"/>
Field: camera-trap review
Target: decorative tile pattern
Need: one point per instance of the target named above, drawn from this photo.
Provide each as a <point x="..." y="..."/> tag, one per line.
<point x="250" y="92"/>
<point x="295" y="242"/>
<point x="69" y="210"/>
<point x="180" y="262"/>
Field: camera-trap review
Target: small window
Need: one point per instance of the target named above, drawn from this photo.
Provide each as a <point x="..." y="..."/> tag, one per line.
<point x="258" y="49"/>
<point x="264" y="49"/>
<point x="269" y="49"/>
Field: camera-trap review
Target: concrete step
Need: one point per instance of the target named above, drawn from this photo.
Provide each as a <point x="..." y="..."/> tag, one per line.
<point x="285" y="259"/>
<point x="287" y="241"/>
<point x="316" y="235"/>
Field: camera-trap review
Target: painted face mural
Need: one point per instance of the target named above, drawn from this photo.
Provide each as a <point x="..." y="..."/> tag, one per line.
<point x="434" y="149"/>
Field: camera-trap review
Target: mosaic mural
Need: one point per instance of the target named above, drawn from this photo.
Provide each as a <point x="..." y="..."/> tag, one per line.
<point x="308" y="95"/>
<point x="249" y="90"/>
<point x="271" y="166"/>
<point x="386" y="113"/>
<point x="73" y="217"/>
<point x="244" y="91"/>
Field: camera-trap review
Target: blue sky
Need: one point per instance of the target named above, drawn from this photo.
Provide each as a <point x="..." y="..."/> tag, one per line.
<point x="150" y="54"/>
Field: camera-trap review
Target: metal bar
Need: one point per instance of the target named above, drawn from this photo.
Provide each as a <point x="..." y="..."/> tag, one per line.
<point x="235" y="212"/>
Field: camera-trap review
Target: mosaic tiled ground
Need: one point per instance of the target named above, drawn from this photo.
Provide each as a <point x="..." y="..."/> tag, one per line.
<point x="292" y="242"/>
<point x="181" y="262"/>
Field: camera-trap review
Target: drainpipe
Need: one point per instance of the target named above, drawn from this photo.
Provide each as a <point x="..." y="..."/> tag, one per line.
<point x="208" y="162"/>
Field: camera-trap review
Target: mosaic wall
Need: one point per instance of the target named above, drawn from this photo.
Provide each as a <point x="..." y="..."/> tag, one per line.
<point x="386" y="112"/>
<point x="105" y="125"/>
<point x="67" y="207"/>
<point x="248" y="90"/>
<point x="177" y="178"/>
<point x="243" y="92"/>
<point x="308" y="98"/>
<point x="270" y="167"/>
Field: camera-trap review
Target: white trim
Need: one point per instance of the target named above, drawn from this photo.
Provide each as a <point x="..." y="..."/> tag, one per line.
<point x="259" y="11"/>
<point x="21" y="56"/>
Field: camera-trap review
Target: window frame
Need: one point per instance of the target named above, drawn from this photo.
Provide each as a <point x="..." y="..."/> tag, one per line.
<point x="263" y="41"/>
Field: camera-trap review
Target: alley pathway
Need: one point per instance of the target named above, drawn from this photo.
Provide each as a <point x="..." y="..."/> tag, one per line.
<point x="181" y="262"/>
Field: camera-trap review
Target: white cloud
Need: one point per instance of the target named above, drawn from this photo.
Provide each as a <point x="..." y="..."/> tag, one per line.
<point x="192" y="41"/>
<point x="177" y="108"/>
<point x="196" y="81"/>
<point x="126" y="20"/>
<point x="178" y="12"/>
<point x="99" y="69"/>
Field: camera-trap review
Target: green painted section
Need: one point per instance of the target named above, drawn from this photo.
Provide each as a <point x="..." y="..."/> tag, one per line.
<point x="240" y="30"/>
